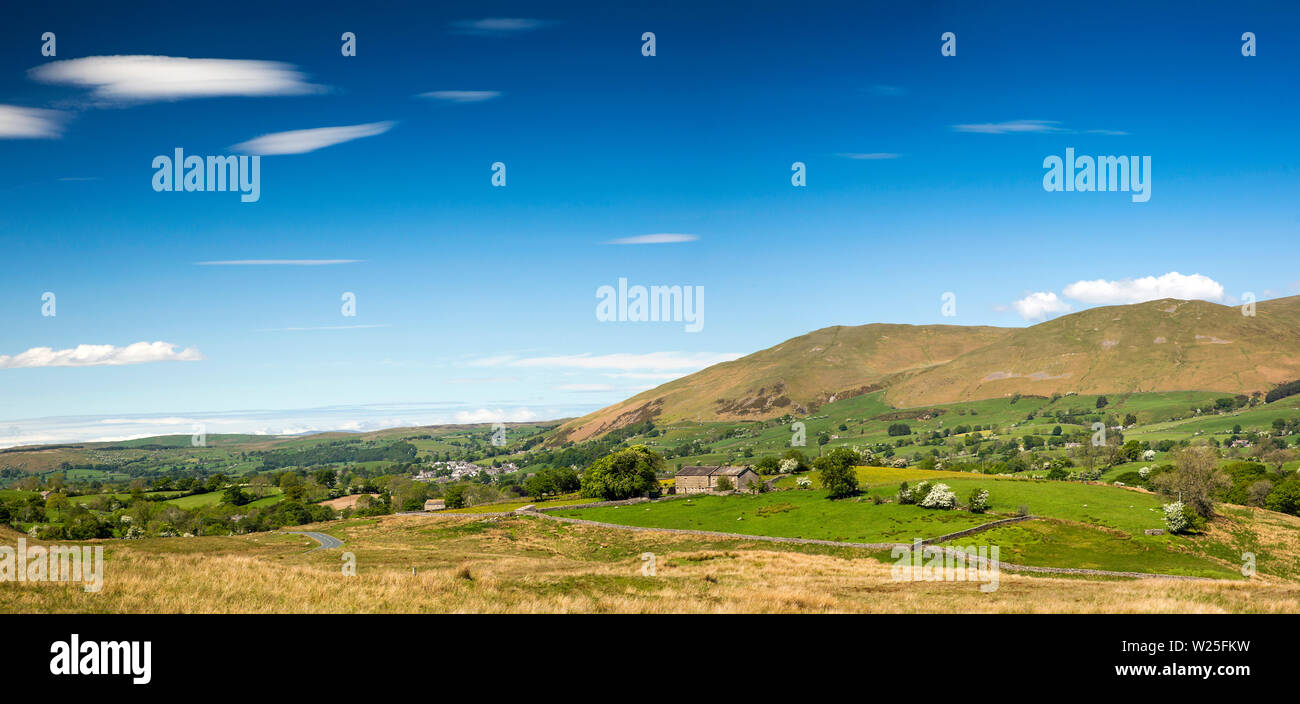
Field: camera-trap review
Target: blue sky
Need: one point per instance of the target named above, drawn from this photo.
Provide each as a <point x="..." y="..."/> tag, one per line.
<point x="924" y="175"/>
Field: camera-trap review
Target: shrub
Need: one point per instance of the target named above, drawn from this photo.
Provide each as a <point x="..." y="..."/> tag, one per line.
<point x="979" y="501"/>
<point x="1176" y="517"/>
<point x="803" y="483"/>
<point x="724" y="484"/>
<point x="789" y="465"/>
<point x="939" y="497"/>
<point x="910" y="495"/>
<point x="1057" y="473"/>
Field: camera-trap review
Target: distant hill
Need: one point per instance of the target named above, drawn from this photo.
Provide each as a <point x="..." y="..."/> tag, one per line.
<point x="1163" y="345"/>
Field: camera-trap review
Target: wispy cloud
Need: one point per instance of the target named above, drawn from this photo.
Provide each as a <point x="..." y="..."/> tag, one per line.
<point x="304" y="141"/>
<point x="1027" y="126"/>
<point x="158" y="78"/>
<point x="483" y="380"/>
<point x="868" y="156"/>
<point x="29" y="123"/>
<point x="1147" y="288"/>
<point x="461" y="96"/>
<point x="100" y="355"/>
<point x="1039" y="305"/>
<point x="327" y="327"/>
<point x="278" y="262"/>
<point x="499" y="26"/>
<point x="586" y="388"/>
<point x="661" y="238"/>
<point x="654" y="361"/>
<point x="1011" y="127"/>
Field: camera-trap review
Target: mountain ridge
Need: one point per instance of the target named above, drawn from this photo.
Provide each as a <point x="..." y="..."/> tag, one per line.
<point x="1162" y="345"/>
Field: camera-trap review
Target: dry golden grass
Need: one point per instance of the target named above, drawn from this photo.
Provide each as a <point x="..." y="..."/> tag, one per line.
<point x="527" y="565"/>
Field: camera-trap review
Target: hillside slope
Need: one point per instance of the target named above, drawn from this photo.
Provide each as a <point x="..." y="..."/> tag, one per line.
<point x="1163" y="345"/>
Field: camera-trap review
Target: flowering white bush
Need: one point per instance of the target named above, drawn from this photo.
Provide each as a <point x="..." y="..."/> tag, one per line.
<point x="1175" y="518"/>
<point x="939" y="496"/>
<point x="788" y="465"/>
<point x="979" y="501"/>
<point x="1145" y="471"/>
<point x="1149" y="455"/>
<point x="803" y="483"/>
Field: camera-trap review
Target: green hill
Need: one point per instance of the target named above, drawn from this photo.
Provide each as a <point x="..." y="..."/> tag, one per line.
<point x="1163" y="345"/>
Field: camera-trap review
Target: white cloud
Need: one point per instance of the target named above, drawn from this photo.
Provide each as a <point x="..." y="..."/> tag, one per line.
<point x="151" y="78"/>
<point x="278" y="262"/>
<point x="656" y="361"/>
<point x="303" y="141"/>
<point x="462" y="96"/>
<point x="660" y="238"/>
<point x="491" y="415"/>
<point x="1039" y="305"/>
<point x="868" y="156"/>
<point x="100" y="355"/>
<point x="1147" y="288"/>
<point x="29" y="123"/>
<point x="498" y="26"/>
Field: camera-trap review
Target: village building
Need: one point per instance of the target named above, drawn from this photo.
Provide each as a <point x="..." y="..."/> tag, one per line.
<point x="697" y="479"/>
<point x="435" y="505"/>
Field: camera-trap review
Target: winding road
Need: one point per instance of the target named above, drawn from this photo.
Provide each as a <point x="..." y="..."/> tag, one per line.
<point x="326" y="541"/>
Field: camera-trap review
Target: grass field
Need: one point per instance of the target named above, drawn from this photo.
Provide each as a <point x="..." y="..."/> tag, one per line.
<point x="212" y="498"/>
<point x="503" y="506"/>
<point x="1091" y="526"/>
<point x="788" y="514"/>
<point x="530" y="565"/>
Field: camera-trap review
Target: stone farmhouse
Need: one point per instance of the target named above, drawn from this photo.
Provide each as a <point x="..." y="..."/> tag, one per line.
<point x="698" y="479"/>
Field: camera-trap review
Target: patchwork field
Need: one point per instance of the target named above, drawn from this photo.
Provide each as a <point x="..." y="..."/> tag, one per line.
<point x="1083" y="525"/>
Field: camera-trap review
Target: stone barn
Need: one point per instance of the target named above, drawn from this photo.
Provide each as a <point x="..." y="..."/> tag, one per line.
<point x="698" y="479"/>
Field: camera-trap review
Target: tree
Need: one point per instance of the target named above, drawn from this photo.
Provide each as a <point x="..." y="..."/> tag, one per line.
<point x="837" y="474"/>
<point x="292" y="486"/>
<point x="1101" y="402"/>
<point x="768" y="465"/>
<point x="235" y="496"/>
<point x="724" y="484"/>
<point x="539" y="485"/>
<point x="624" y="474"/>
<point x="897" y="429"/>
<point x="454" y="497"/>
<point x="1258" y="492"/>
<point x="1196" y="478"/>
